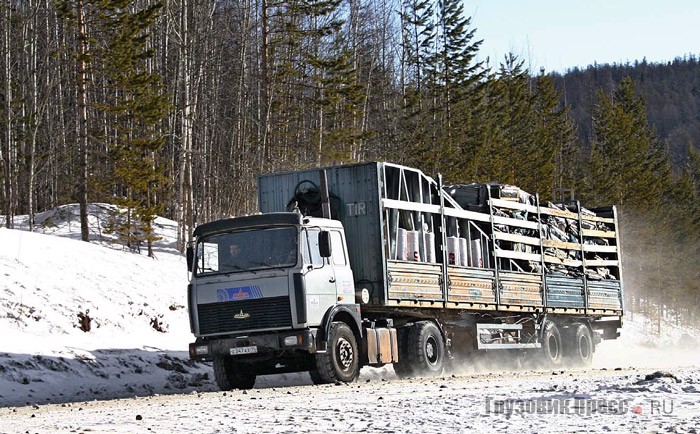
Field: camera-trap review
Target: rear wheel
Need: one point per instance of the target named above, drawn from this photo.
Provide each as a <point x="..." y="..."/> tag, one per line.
<point x="403" y="368"/>
<point x="341" y="360"/>
<point x="551" y="350"/>
<point x="316" y="377"/>
<point x="425" y="349"/>
<point x="231" y="375"/>
<point x="579" y="348"/>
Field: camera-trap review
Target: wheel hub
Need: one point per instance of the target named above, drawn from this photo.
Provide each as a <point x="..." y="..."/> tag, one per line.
<point x="345" y="354"/>
<point x="583" y="348"/>
<point x="431" y="350"/>
<point x="553" y="347"/>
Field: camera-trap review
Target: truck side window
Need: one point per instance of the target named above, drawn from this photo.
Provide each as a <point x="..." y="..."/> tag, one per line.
<point x="338" y="251"/>
<point x="310" y="250"/>
<point x="207" y="257"/>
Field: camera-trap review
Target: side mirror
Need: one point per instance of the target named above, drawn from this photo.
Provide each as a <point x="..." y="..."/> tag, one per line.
<point x="190" y="257"/>
<point x="324" y="244"/>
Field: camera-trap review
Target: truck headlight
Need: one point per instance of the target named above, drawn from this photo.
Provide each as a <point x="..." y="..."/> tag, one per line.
<point x="293" y="340"/>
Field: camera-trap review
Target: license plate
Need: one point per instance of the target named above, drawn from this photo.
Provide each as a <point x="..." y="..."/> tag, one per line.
<point x="244" y="350"/>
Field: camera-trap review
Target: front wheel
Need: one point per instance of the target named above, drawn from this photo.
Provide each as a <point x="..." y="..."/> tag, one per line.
<point x="341" y="361"/>
<point x="231" y="375"/>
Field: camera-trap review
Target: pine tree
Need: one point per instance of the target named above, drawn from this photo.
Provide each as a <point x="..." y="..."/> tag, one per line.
<point x="418" y="38"/>
<point x="513" y="104"/>
<point x="137" y="108"/>
<point x="316" y="98"/>
<point x="454" y="64"/>
<point x="77" y="14"/>
<point x="555" y="151"/>
<point x="450" y="93"/>
<point x="629" y="163"/>
<point x="630" y="169"/>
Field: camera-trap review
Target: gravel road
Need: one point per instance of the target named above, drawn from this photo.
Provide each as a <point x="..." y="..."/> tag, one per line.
<point x="627" y="400"/>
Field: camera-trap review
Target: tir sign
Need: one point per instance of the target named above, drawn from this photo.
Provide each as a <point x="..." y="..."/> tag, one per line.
<point x="356" y="209"/>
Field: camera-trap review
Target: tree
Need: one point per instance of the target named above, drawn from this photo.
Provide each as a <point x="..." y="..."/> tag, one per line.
<point x="8" y="144"/>
<point x="137" y="108"/>
<point x="418" y="39"/>
<point x="511" y="103"/>
<point x="74" y="12"/>
<point x="449" y="91"/>
<point x="629" y="163"/>
<point x="555" y="150"/>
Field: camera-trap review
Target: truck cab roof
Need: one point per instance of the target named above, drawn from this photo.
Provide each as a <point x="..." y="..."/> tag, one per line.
<point x="264" y="220"/>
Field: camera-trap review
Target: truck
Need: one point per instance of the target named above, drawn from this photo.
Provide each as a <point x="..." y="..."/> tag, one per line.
<point x="377" y="263"/>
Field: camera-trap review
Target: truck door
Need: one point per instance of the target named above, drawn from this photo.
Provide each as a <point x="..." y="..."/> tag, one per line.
<point x="319" y="277"/>
<point x="344" y="286"/>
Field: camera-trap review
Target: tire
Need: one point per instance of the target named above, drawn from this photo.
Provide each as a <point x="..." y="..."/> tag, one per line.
<point x="341" y="361"/>
<point x="551" y="351"/>
<point x="426" y="349"/>
<point x="316" y="377"/>
<point x="230" y="375"/>
<point x="579" y="349"/>
<point x="403" y="368"/>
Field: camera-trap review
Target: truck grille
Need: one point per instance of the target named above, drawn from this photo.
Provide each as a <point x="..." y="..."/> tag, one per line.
<point x="261" y="313"/>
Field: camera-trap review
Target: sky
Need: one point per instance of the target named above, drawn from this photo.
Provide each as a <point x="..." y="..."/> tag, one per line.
<point x="557" y="35"/>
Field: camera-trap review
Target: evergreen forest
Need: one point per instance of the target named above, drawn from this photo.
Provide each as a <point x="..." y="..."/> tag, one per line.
<point x="173" y="108"/>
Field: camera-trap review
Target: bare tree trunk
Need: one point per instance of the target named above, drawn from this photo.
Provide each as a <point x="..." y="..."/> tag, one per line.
<point x="61" y="145"/>
<point x="82" y="124"/>
<point x="7" y="158"/>
<point x="265" y="84"/>
<point x="35" y="110"/>
<point x="185" y="212"/>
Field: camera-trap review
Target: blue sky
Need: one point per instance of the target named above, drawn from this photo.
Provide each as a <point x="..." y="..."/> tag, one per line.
<point x="558" y="35"/>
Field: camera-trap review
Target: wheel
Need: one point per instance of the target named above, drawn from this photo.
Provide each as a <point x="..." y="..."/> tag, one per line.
<point x="403" y="368"/>
<point x="426" y="349"/>
<point x="551" y="350"/>
<point x="579" y="348"/>
<point x="341" y="361"/>
<point x="316" y="377"/>
<point x="231" y="375"/>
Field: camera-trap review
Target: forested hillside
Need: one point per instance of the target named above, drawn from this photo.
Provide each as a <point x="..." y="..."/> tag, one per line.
<point x="174" y="109"/>
<point x="672" y="91"/>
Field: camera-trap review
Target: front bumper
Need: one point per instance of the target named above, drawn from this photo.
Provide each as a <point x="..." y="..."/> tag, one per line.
<point x="264" y="345"/>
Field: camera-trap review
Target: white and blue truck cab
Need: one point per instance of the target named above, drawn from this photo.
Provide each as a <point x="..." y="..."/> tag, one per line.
<point x="262" y="286"/>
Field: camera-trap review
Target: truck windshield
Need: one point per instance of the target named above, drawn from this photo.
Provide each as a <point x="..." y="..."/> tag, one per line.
<point x="248" y="250"/>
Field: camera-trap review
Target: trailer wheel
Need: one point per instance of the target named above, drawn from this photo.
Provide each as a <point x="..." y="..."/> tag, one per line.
<point x="579" y="351"/>
<point x="551" y="345"/>
<point x="426" y="349"/>
<point x="341" y="361"/>
<point x="231" y="375"/>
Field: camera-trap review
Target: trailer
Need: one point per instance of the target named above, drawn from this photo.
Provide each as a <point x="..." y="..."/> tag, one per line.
<point x="377" y="263"/>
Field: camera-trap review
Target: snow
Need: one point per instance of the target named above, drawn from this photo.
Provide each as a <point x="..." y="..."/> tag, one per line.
<point x="137" y="347"/>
